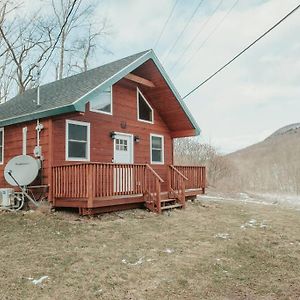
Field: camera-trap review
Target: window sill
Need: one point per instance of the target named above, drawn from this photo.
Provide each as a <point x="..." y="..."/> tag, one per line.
<point x="157" y="163"/>
<point x="77" y="159"/>
<point x="144" y="121"/>
<point x="101" y="112"/>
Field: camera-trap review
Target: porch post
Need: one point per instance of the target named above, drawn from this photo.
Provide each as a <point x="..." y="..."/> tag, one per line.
<point x="169" y="181"/>
<point x="90" y="185"/>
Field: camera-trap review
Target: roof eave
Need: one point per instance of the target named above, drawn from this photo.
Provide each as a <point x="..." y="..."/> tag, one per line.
<point x="39" y="115"/>
<point x="79" y="104"/>
<point x="176" y="94"/>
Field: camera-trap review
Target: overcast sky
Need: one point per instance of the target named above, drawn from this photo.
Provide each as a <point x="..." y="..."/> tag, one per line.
<point x="254" y="96"/>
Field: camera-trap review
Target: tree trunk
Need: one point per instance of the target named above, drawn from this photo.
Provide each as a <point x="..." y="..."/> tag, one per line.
<point x="62" y="56"/>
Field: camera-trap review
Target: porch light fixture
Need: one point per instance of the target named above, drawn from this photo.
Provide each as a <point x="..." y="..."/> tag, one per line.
<point x="113" y="135"/>
<point x="137" y="139"/>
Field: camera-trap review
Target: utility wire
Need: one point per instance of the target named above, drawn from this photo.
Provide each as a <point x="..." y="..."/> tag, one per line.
<point x="184" y="29"/>
<point x="243" y="51"/>
<point x="166" y="23"/>
<point x="59" y="35"/>
<point x="198" y="32"/>
<point x="208" y="36"/>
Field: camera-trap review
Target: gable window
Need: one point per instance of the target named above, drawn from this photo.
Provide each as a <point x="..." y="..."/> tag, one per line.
<point x="102" y="102"/>
<point x="157" y="149"/>
<point x="77" y="140"/>
<point x="145" y="111"/>
<point x="1" y="145"/>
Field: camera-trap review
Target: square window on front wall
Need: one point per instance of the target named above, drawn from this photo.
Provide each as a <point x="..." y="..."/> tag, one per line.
<point x="102" y="102"/>
<point x="78" y="139"/>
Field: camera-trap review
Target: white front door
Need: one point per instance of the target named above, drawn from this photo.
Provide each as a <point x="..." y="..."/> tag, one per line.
<point x="123" y="154"/>
<point x="123" y="149"/>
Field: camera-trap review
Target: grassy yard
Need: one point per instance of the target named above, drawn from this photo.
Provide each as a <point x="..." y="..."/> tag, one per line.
<point x="212" y="250"/>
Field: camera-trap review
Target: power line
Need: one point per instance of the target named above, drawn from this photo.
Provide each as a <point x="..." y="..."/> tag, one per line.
<point x="243" y="51"/>
<point x="209" y="35"/>
<point x="166" y="23"/>
<point x="59" y="35"/>
<point x="184" y="28"/>
<point x="198" y="33"/>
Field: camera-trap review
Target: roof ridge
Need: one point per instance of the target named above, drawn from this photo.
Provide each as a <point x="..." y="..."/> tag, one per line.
<point x="96" y="68"/>
<point x="79" y="74"/>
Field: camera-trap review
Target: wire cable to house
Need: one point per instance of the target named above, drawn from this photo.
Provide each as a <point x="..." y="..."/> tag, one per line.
<point x="59" y="35"/>
<point x="211" y="33"/>
<point x="194" y="38"/>
<point x="184" y="29"/>
<point x="166" y="23"/>
<point x="242" y="52"/>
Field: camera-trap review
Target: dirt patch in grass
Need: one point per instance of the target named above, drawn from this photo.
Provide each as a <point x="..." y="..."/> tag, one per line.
<point x="208" y="251"/>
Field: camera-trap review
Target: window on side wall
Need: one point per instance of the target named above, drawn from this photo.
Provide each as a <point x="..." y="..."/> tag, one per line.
<point x="157" y="149"/>
<point x="145" y="111"/>
<point x="1" y="145"/>
<point x="102" y="102"/>
<point x="77" y="140"/>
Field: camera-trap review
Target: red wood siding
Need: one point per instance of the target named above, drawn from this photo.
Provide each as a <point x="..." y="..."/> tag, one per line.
<point x="165" y="101"/>
<point x="13" y="145"/>
<point x="124" y="111"/>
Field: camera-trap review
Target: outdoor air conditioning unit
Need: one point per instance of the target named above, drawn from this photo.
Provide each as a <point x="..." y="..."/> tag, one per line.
<point x="7" y="198"/>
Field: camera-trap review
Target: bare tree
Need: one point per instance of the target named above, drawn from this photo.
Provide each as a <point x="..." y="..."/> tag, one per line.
<point x="189" y="151"/>
<point x="79" y="19"/>
<point x="25" y="43"/>
<point x="6" y="70"/>
<point x="6" y="77"/>
<point x="85" y="47"/>
<point x="28" y="42"/>
<point x="80" y="35"/>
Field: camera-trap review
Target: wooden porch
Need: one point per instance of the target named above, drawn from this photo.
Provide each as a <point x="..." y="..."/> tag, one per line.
<point x="104" y="187"/>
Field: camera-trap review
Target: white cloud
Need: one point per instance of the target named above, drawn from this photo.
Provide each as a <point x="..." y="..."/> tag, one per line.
<point x="259" y="90"/>
<point x="255" y="95"/>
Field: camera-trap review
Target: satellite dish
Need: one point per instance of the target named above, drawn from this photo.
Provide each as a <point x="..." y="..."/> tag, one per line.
<point x="23" y="168"/>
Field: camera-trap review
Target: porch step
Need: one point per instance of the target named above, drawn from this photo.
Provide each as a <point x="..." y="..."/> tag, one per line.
<point x="167" y="200"/>
<point x="171" y="206"/>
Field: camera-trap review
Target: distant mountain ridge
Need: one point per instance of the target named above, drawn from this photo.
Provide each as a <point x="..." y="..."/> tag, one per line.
<point x="289" y="129"/>
<point x="284" y="132"/>
<point x="272" y="165"/>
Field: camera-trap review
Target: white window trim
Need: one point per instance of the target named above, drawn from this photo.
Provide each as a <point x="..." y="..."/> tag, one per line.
<point x="162" y="162"/>
<point x="111" y="105"/>
<point x="132" y="145"/>
<point x="88" y="125"/>
<point x="138" y="92"/>
<point x="2" y="161"/>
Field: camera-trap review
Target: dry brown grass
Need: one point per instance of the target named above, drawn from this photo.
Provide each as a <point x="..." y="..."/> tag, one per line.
<point x="125" y="255"/>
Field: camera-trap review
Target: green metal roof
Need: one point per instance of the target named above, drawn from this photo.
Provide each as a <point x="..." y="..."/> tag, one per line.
<point x="72" y="93"/>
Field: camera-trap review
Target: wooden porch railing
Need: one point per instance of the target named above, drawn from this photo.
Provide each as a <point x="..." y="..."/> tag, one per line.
<point x="152" y="189"/>
<point x="196" y="176"/>
<point x="176" y="181"/>
<point x="99" y="181"/>
<point x="70" y="181"/>
<point x="91" y="182"/>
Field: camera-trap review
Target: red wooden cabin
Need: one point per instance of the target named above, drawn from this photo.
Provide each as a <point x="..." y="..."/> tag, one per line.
<point x="105" y="137"/>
